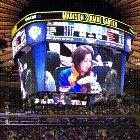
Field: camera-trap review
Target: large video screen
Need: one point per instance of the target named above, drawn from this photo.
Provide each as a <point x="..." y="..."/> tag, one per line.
<point x="70" y="58"/>
<point x="81" y="68"/>
<point x="26" y="72"/>
<point x="73" y="68"/>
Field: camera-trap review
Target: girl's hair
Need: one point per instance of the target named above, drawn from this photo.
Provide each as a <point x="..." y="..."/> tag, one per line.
<point x="79" y="54"/>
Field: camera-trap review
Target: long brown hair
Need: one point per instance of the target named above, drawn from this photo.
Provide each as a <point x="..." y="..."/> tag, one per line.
<point x="78" y="56"/>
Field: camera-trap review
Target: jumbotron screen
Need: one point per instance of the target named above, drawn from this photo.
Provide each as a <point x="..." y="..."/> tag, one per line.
<point x="70" y="58"/>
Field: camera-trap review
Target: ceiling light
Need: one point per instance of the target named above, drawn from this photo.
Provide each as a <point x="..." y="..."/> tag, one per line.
<point x="10" y="61"/>
<point x="138" y="63"/>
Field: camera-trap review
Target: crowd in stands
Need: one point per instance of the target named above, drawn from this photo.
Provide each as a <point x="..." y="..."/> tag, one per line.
<point x="67" y="133"/>
<point x="120" y="124"/>
<point x="113" y="106"/>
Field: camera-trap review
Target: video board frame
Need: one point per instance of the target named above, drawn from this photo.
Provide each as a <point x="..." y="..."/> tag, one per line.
<point x="74" y="17"/>
<point x="51" y="26"/>
<point x="68" y="32"/>
<point x="66" y="16"/>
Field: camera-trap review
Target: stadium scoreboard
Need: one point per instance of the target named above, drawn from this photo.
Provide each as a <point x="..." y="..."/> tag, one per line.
<point x="72" y="16"/>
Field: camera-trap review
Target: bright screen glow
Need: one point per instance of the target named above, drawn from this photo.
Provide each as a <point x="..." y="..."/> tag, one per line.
<point x="69" y="69"/>
<point x="79" y="59"/>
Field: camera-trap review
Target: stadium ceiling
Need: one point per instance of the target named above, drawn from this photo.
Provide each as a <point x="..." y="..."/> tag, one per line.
<point x="11" y="11"/>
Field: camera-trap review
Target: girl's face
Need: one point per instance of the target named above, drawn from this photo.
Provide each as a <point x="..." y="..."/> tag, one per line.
<point x="86" y="63"/>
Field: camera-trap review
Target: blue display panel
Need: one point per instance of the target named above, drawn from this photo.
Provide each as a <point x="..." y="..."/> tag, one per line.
<point x="128" y="42"/>
<point x="36" y="32"/>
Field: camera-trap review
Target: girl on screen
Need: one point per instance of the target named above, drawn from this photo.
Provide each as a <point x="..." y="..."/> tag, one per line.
<point x="80" y="77"/>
